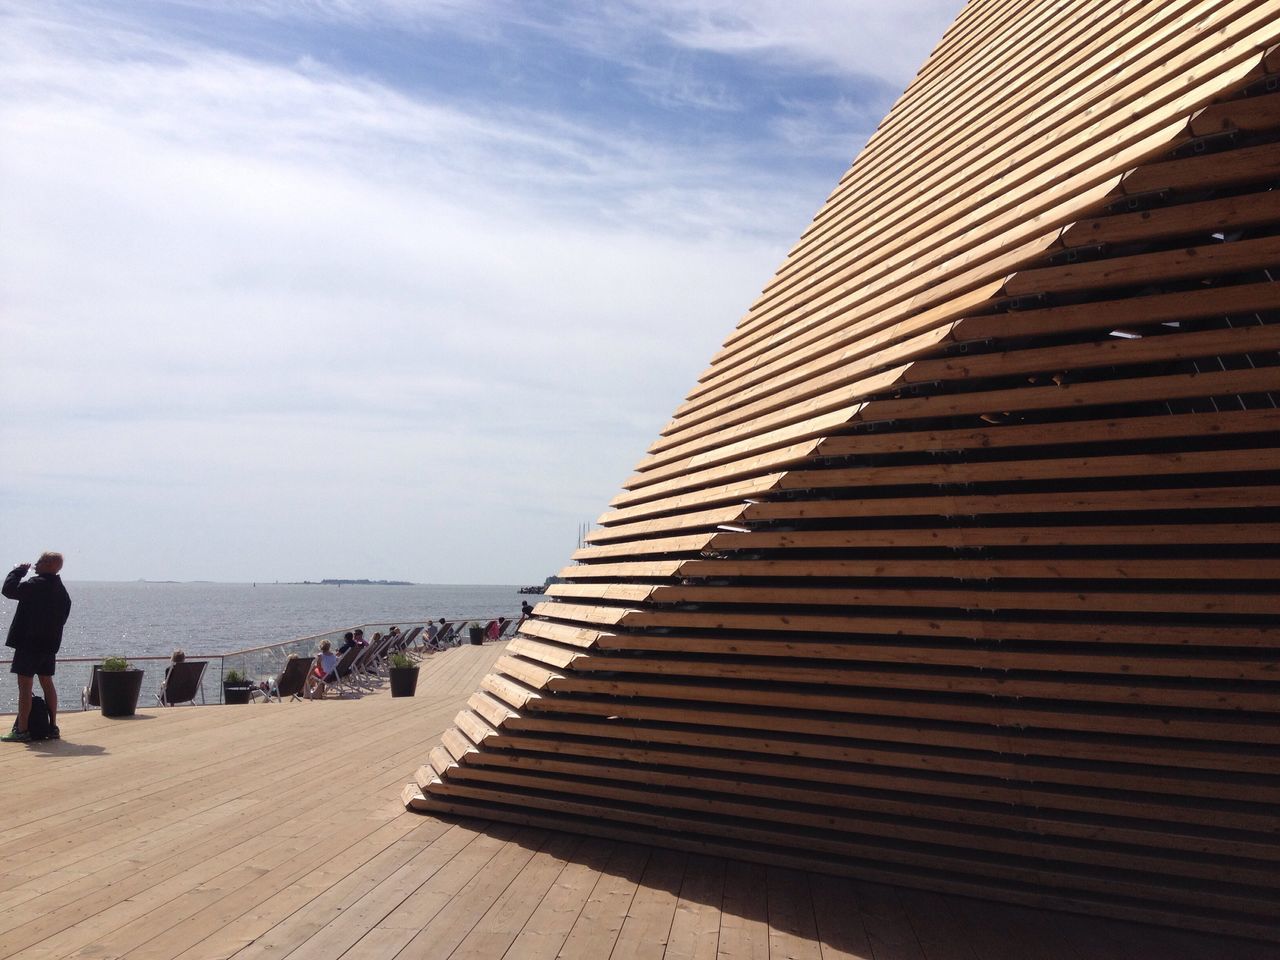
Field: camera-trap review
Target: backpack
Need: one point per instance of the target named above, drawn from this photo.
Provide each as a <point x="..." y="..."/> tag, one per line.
<point x="38" y="724"/>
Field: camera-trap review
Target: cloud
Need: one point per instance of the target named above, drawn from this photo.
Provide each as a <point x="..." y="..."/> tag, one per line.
<point x="283" y="310"/>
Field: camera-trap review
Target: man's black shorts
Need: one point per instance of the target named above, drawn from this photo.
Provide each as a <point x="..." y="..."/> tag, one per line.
<point x="33" y="663"/>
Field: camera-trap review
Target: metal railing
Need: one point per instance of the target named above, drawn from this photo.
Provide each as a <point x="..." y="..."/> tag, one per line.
<point x="255" y="663"/>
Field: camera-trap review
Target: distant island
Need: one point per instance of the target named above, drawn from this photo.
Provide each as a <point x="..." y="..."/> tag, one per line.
<point x="542" y="589"/>
<point x="360" y="583"/>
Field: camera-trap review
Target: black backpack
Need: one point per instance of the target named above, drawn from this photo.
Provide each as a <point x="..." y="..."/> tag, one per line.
<point x="38" y="723"/>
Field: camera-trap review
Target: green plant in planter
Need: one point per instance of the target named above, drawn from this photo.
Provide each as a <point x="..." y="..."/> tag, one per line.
<point x="404" y="676"/>
<point x="235" y="687"/>
<point x="118" y="687"/>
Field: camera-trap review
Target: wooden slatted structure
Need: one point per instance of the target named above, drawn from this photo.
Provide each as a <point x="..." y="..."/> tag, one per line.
<point x="958" y="567"/>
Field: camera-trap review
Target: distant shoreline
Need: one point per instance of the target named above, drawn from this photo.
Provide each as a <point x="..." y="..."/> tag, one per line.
<point x="359" y="583"/>
<point x="311" y="583"/>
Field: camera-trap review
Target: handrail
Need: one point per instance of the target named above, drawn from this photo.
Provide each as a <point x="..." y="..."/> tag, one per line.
<point x="271" y="646"/>
<point x="252" y="661"/>
<point x="320" y="636"/>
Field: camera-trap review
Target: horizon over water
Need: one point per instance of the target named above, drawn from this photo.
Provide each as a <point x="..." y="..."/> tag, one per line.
<point x="148" y="617"/>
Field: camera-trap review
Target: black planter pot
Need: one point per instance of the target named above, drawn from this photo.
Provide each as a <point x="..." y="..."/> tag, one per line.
<point x="477" y="635"/>
<point x="404" y="681"/>
<point x="236" y="692"/>
<point x="118" y="692"/>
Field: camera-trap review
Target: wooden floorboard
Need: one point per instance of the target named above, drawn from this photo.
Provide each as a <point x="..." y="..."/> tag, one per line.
<point x="277" y="831"/>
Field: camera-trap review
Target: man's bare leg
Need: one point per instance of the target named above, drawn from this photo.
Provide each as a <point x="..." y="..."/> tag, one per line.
<point x="50" y="697"/>
<point x="24" y="701"/>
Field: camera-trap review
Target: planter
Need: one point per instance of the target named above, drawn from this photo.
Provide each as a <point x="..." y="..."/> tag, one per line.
<point x="477" y="635"/>
<point x="404" y="681"/>
<point x="236" y="692"/>
<point x="118" y="692"/>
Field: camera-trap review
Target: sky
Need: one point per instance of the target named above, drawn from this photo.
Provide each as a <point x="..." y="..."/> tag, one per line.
<point x="400" y="289"/>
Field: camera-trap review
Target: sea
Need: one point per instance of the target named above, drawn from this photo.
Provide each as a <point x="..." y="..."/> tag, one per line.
<point x="151" y="619"/>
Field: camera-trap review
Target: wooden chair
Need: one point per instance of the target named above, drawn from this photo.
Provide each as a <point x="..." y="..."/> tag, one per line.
<point x="340" y="674"/>
<point x="182" y="681"/>
<point x="406" y="640"/>
<point x="365" y="666"/>
<point x="291" y="681"/>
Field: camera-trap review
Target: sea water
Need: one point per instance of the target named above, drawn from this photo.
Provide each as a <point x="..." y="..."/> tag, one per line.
<point x="206" y="619"/>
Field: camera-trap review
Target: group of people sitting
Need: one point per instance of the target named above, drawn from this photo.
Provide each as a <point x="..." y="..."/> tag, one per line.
<point x="325" y="666"/>
<point x="437" y="636"/>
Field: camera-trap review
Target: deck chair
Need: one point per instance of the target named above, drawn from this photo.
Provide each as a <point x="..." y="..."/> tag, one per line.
<point x="338" y="677"/>
<point x="182" y="681"/>
<point x="89" y="695"/>
<point x="446" y="637"/>
<point x="403" y="643"/>
<point x="509" y="628"/>
<point x="291" y="680"/>
<point x="366" y="666"/>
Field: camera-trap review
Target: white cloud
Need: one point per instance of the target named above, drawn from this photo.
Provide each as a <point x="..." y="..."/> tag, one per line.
<point x="871" y="37"/>
<point x="234" y="285"/>
<point x="266" y="321"/>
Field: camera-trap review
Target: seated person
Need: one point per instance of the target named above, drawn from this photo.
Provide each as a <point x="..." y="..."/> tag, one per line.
<point x="357" y="640"/>
<point x="348" y="641"/>
<point x="326" y="662"/>
<point x="177" y="657"/>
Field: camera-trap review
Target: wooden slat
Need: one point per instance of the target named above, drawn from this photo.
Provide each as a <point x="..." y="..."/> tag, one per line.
<point x="1253" y="113"/>
<point x="1112" y="352"/>
<point x="1243" y="299"/>
<point x="1106" y="430"/>
<point x="1183" y="264"/>
<point x="1232" y="213"/>
<point x="1246" y="165"/>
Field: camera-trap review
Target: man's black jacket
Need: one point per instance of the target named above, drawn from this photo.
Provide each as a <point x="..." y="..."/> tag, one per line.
<point x="43" y="607"/>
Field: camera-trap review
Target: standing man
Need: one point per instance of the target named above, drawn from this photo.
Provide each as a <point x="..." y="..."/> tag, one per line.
<point x="36" y="635"/>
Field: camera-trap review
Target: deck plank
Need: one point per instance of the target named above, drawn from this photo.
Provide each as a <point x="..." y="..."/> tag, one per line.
<point x="509" y="914"/>
<point x="744" y="914"/>
<point x="841" y="934"/>
<point x="695" y="929"/>
<point x="598" y="925"/>
<point x="647" y="927"/>
<point x="452" y="924"/>
<point x="793" y="932"/>
<point x="883" y="917"/>
<point x="547" y="928"/>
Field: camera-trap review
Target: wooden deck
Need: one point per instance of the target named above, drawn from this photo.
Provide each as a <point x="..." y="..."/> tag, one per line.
<point x="278" y="831"/>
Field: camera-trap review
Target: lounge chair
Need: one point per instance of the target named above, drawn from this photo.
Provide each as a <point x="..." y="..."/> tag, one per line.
<point x="339" y="675"/>
<point x="406" y="640"/>
<point x="89" y="695"/>
<point x="291" y="680"/>
<point x="182" y="681"/>
<point x="365" y="666"/>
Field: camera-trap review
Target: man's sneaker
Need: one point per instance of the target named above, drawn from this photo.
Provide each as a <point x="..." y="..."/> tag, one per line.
<point x="16" y="736"/>
<point x="54" y="732"/>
